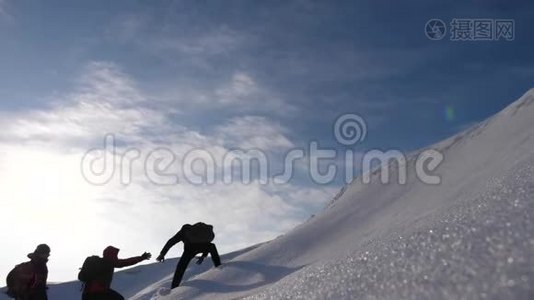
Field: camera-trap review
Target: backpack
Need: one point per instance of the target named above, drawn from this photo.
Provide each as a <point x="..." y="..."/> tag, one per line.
<point x="200" y="233"/>
<point x="11" y="282"/>
<point x="93" y="267"/>
<point x="16" y="286"/>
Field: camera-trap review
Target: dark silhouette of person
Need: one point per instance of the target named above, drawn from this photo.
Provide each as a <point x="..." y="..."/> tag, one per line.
<point x="191" y="249"/>
<point x="100" y="287"/>
<point x="27" y="281"/>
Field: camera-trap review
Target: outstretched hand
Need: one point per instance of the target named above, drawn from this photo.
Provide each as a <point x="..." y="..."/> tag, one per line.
<point x="160" y="258"/>
<point x="146" y="256"/>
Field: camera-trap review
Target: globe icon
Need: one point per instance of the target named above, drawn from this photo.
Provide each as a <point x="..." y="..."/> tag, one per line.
<point x="435" y="29"/>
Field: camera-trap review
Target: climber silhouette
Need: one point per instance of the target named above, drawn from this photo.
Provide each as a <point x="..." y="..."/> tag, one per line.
<point x="97" y="274"/>
<point x="197" y="239"/>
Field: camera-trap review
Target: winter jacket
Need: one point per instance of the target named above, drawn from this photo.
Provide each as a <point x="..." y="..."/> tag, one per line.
<point x="186" y="235"/>
<point x="103" y="282"/>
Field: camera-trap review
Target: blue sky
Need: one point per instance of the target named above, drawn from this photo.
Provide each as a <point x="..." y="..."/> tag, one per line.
<point x="221" y="75"/>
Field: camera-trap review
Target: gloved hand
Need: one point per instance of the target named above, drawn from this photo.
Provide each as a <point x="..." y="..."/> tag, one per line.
<point x="160" y="258"/>
<point x="146" y="255"/>
<point x="200" y="260"/>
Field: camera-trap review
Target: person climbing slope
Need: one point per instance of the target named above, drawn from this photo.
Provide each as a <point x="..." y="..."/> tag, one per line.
<point x="197" y="239"/>
<point x="97" y="274"/>
<point x="27" y="281"/>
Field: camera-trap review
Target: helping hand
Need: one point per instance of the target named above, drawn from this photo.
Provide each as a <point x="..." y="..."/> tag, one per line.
<point x="146" y="255"/>
<point x="160" y="258"/>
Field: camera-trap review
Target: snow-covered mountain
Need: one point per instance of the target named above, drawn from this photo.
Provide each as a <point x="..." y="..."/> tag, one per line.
<point x="469" y="237"/>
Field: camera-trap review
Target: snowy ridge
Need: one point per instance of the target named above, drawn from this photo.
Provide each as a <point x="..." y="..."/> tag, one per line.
<point x="320" y="258"/>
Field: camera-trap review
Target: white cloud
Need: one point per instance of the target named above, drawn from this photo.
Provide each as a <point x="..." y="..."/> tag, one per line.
<point x="213" y="42"/>
<point x="105" y="102"/>
<point x="45" y="197"/>
<point x="198" y="48"/>
<point x="135" y="29"/>
<point x="239" y="93"/>
<point x="104" y="82"/>
<point x="254" y="132"/>
<point x="240" y="89"/>
<point x="242" y="93"/>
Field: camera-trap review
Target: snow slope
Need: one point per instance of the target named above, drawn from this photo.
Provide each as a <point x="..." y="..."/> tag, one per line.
<point x="470" y="237"/>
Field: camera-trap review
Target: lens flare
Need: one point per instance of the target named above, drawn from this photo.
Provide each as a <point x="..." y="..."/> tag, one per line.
<point x="449" y="113"/>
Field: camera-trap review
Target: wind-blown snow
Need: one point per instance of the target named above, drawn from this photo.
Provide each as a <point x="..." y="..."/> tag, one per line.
<point x="470" y="237"/>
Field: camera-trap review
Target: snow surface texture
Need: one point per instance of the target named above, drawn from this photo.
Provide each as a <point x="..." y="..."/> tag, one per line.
<point x="480" y="249"/>
<point x="470" y="237"/>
